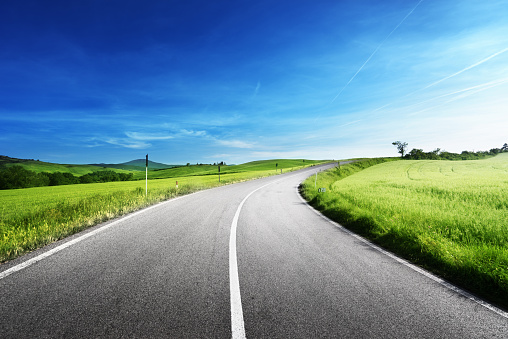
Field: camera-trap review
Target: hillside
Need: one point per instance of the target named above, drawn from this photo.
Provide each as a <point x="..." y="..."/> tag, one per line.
<point x="194" y="170"/>
<point x="41" y="166"/>
<point x="137" y="165"/>
<point x="155" y="170"/>
<point x="78" y="170"/>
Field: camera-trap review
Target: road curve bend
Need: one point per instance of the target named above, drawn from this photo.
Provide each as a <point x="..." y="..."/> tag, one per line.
<point x="165" y="272"/>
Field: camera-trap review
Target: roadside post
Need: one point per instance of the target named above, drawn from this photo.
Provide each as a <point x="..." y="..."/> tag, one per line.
<point x="146" y="181"/>
<point x="219" y="173"/>
<point x="276" y="164"/>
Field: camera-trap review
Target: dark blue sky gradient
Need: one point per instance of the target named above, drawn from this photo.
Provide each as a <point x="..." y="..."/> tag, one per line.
<point x="234" y="81"/>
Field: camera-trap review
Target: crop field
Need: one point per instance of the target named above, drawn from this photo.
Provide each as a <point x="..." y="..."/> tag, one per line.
<point x="34" y="217"/>
<point x="448" y="216"/>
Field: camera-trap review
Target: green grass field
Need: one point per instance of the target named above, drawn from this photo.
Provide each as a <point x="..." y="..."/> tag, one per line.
<point x="34" y="217"/>
<point x="450" y="217"/>
<point x="41" y="166"/>
<point x="199" y="170"/>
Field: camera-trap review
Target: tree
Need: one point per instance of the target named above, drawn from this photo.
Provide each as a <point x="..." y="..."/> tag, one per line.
<point x="401" y="147"/>
<point x="505" y="147"/>
<point x="19" y="177"/>
<point x="416" y="154"/>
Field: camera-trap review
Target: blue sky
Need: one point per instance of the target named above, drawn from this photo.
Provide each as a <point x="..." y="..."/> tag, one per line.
<point x="207" y="81"/>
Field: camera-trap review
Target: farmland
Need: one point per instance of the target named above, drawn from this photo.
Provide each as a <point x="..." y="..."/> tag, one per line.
<point x="450" y="217"/>
<point x="33" y="217"/>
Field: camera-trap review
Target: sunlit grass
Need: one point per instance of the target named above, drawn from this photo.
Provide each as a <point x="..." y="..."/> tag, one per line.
<point x="451" y="217"/>
<point x="33" y="217"/>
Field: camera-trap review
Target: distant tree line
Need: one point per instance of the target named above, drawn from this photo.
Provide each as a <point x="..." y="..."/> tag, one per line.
<point x="419" y="154"/>
<point x="222" y="163"/>
<point x="19" y="177"/>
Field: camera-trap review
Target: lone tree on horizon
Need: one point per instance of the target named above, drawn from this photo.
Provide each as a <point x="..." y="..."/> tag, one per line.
<point x="505" y="147"/>
<point x="401" y="147"/>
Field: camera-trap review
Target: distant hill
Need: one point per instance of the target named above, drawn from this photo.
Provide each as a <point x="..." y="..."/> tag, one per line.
<point x="41" y="166"/>
<point x="156" y="170"/>
<point x="137" y="165"/>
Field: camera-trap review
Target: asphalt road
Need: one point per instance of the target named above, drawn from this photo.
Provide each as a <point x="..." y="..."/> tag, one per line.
<point x="165" y="272"/>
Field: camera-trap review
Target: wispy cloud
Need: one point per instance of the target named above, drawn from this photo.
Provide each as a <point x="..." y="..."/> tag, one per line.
<point x="351" y="123"/>
<point x="148" y="136"/>
<point x="124" y="142"/>
<point x="256" y="90"/>
<point x="235" y="143"/>
<point x="460" y="94"/>
<point x="193" y="133"/>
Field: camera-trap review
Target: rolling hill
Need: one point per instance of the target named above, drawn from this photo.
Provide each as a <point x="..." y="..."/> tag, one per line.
<point x="137" y="165"/>
<point x="41" y="166"/>
<point x="155" y="170"/>
<point x="193" y="170"/>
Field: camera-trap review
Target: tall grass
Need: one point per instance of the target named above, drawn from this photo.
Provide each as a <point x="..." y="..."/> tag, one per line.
<point x="34" y="217"/>
<point x="450" y="217"/>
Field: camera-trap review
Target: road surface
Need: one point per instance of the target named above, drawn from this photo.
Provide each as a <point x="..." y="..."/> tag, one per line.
<point x="167" y="272"/>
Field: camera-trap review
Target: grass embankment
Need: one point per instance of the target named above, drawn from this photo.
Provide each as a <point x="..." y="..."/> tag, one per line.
<point x="449" y="217"/>
<point x="33" y="217"/>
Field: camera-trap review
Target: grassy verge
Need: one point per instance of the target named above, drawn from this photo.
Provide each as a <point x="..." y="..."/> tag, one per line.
<point x="449" y="217"/>
<point x="33" y="217"/>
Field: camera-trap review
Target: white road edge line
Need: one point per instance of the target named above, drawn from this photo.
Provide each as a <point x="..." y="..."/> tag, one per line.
<point x="63" y="246"/>
<point x="408" y="264"/>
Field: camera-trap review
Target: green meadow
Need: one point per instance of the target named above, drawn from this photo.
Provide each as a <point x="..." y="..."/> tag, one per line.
<point x="41" y="166"/>
<point x="33" y="217"/>
<point x="268" y="166"/>
<point x="450" y="217"/>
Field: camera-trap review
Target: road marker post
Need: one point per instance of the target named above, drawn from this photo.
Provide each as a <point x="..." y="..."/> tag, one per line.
<point x="146" y="181"/>
<point x="219" y="173"/>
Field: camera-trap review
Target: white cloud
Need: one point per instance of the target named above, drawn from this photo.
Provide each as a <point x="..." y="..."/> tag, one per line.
<point x="127" y="143"/>
<point x="148" y="136"/>
<point x="193" y="133"/>
<point x="235" y="143"/>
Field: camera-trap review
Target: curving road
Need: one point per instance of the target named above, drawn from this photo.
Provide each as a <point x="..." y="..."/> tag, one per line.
<point x="165" y="272"/>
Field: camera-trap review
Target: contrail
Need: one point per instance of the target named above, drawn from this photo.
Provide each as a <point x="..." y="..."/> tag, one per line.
<point x="370" y="57"/>
<point x="466" y="92"/>
<point x="465" y="69"/>
<point x="451" y="76"/>
<point x="478" y="88"/>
